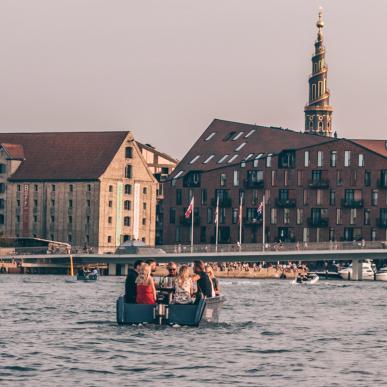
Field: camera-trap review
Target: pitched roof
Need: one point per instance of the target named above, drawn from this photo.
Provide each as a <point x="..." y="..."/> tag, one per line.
<point x="226" y="143"/>
<point x="377" y="146"/>
<point x="64" y="155"/>
<point x="14" y="151"/>
<point x="153" y="149"/>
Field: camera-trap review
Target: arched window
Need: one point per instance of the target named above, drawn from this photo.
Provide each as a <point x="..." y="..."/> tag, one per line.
<point x="319" y="88"/>
<point x="320" y="125"/>
<point x="310" y="125"/>
<point x="128" y="189"/>
<point x="127" y="221"/>
<point x="127" y="205"/>
<point x="128" y="171"/>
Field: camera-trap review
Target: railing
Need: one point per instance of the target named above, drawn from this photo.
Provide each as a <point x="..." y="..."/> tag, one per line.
<point x="253" y="221"/>
<point x="322" y="183"/>
<point x="224" y="202"/>
<point x="318" y="222"/>
<point x="352" y="203"/>
<point x="285" y="203"/>
<point x="254" y="184"/>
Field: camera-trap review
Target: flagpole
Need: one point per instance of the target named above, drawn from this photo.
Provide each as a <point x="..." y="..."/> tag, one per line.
<point x="264" y="223"/>
<point x="217" y="223"/>
<point x="240" y="220"/>
<point x="192" y="223"/>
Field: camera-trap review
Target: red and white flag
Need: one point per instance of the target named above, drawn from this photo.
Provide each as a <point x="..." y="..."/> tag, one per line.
<point x="260" y="208"/>
<point x="190" y="209"/>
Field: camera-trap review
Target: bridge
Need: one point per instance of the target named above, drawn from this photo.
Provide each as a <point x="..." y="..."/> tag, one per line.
<point x="311" y="252"/>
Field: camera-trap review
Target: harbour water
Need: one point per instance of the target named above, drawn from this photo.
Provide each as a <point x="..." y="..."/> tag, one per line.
<point x="272" y="333"/>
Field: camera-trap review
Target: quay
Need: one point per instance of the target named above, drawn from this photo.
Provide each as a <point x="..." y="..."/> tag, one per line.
<point x="117" y="264"/>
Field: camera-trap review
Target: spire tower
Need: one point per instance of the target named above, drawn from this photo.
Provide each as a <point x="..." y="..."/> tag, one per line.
<point x="318" y="112"/>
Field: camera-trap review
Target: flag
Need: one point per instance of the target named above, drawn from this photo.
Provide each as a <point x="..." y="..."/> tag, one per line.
<point x="189" y="209"/>
<point x="217" y="210"/>
<point x="260" y="208"/>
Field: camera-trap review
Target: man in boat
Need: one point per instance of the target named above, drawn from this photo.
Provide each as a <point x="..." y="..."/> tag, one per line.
<point x="130" y="282"/>
<point x="167" y="284"/>
<point x="203" y="281"/>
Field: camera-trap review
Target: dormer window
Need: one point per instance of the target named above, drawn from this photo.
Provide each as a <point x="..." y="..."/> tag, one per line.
<point x="208" y="138"/>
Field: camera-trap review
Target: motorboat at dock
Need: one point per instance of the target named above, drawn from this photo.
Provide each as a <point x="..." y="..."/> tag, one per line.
<point x="368" y="272"/>
<point x="381" y="274"/>
<point x="206" y="309"/>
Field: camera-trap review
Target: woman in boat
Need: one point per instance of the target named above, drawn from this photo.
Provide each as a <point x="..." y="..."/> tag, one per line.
<point x="146" y="291"/>
<point x="204" y="284"/>
<point x="214" y="280"/>
<point x="183" y="287"/>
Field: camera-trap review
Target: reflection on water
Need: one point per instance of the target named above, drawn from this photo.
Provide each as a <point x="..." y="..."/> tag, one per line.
<point x="271" y="334"/>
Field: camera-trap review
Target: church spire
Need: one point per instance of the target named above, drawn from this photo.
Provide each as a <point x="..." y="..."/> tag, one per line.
<point x="318" y="112"/>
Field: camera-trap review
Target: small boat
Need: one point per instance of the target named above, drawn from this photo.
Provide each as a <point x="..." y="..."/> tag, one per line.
<point x="368" y="272"/>
<point x="171" y="314"/>
<point x="381" y="274"/>
<point x="88" y="277"/>
<point x="310" y="279"/>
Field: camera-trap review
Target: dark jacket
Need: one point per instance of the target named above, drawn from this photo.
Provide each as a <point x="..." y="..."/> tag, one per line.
<point x="204" y="285"/>
<point x="131" y="287"/>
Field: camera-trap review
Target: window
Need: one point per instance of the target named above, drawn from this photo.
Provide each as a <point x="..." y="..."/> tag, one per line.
<point x="203" y="196"/>
<point x="88" y="203"/>
<point x="208" y="138"/>
<point x="194" y="159"/>
<point x="71" y="188"/>
<point x="53" y="187"/>
<point x="127" y="205"/>
<point x="144" y="206"/>
<point x="273" y="177"/>
<point x="172" y="215"/>
<point x="232" y="158"/>
<point x="17" y="218"/>
<point x="70" y="219"/>
<point x="353" y="215"/>
<point x="127" y="189"/>
<point x="234" y="215"/>
<point x="128" y="152"/>
<point x="145" y="190"/>
<point x="333" y="162"/>
<point x="250" y="133"/>
<point x="249" y="156"/>
<point x="347" y="158"/>
<point x="52" y="203"/>
<point x="240" y="147"/>
<point x="36" y="187"/>
<point x="69" y="238"/>
<point x="273" y="216"/>
<point x="17" y="203"/>
<point x="319" y="198"/>
<point x="305" y="197"/>
<point x="208" y="159"/>
<point x="179" y="197"/>
<point x="361" y="160"/>
<point x="143" y="221"/>
<point x="320" y="158"/>
<point x="110" y="203"/>
<point x="236" y="179"/>
<point x="89" y="187"/>
<point x="268" y="160"/>
<point x="367" y="216"/>
<point x="52" y="219"/>
<point x="2" y="187"/>
<point x="210" y="215"/>
<point x="35" y="203"/>
<point x="178" y="174"/>
<point x="223" y="180"/>
<point x="110" y="188"/>
<point x="237" y="136"/>
<point x="374" y="197"/>
<point x="18" y="188"/>
<point x="127" y="221"/>
<point x="286" y="215"/>
<point x="110" y="219"/>
<point x="306" y="159"/>
<point x="299" y="178"/>
<point x="367" y="178"/>
<point x="332" y="197"/>
<point x="338" y="216"/>
<point x="109" y="239"/>
<point x="222" y="159"/>
<point x="128" y="172"/>
<point x="339" y="179"/>
<point x="87" y="219"/>
<point x="35" y="219"/>
<point x="3" y="168"/>
<point x="300" y="215"/>
<point x="2" y="203"/>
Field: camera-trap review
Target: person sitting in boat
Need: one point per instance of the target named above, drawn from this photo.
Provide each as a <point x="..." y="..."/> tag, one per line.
<point x="168" y="282"/>
<point x="81" y="272"/>
<point x="204" y="284"/>
<point x="214" y="280"/>
<point x="153" y="265"/>
<point x="94" y="272"/>
<point x="183" y="287"/>
<point x="146" y="291"/>
<point x="130" y="282"/>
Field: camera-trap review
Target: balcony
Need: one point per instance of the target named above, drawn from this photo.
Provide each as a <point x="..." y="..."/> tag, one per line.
<point x="352" y="203"/>
<point x="285" y="203"/>
<point x="319" y="184"/>
<point x="382" y="222"/>
<point x="223" y="202"/>
<point x="253" y="221"/>
<point x="254" y="183"/>
<point x="318" y="222"/>
<point x="188" y="222"/>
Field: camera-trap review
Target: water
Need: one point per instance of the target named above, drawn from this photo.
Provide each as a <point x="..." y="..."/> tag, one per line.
<point x="272" y="333"/>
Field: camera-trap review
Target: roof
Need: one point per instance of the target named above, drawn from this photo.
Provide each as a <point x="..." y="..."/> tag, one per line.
<point x="377" y="146"/>
<point x="225" y="143"/>
<point x="14" y="151"/>
<point x="63" y="156"/>
<point x="151" y="148"/>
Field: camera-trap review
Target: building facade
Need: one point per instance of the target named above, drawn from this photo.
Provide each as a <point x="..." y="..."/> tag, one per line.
<point x="316" y="189"/>
<point x="90" y="189"/>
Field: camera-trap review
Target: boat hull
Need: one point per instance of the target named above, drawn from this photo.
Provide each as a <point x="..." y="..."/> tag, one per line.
<point x="174" y="314"/>
<point x="87" y="278"/>
<point x="381" y="276"/>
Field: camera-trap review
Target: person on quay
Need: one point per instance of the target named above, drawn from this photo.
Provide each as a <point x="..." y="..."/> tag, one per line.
<point x="130" y="282"/>
<point x="153" y="265"/>
<point x="183" y="287"/>
<point x="204" y="284"/>
<point x="146" y="290"/>
<point x="214" y="280"/>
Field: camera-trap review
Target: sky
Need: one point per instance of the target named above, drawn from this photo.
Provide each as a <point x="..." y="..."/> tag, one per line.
<point x="164" y="69"/>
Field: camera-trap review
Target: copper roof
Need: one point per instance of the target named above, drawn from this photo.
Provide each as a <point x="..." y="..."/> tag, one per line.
<point x="226" y="143"/>
<point x="377" y="146"/>
<point x="64" y="156"/>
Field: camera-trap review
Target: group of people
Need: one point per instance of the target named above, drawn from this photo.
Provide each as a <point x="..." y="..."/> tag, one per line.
<point x="179" y="286"/>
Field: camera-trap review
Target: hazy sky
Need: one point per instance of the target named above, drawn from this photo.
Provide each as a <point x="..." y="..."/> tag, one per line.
<point x="165" y="68"/>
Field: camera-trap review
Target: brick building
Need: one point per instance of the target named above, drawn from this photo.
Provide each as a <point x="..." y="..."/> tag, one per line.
<point x="92" y="189"/>
<point x="317" y="188"/>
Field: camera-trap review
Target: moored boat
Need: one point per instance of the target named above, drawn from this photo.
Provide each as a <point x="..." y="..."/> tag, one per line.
<point x="368" y="272"/>
<point x="381" y="274"/>
<point x="172" y="314"/>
